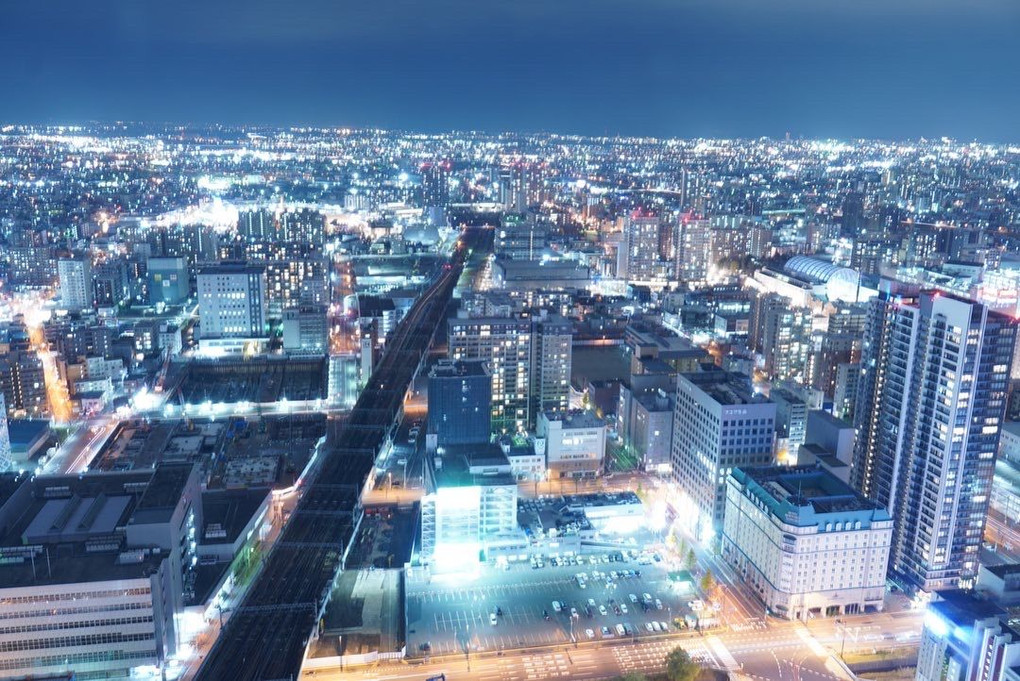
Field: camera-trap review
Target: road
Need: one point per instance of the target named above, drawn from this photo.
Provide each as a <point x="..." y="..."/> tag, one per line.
<point x="79" y="449"/>
<point x="786" y="650"/>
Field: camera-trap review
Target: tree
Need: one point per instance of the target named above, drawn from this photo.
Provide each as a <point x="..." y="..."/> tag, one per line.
<point x="633" y="676"/>
<point x="707" y="583"/>
<point x="680" y="666"/>
<point x="692" y="559"/>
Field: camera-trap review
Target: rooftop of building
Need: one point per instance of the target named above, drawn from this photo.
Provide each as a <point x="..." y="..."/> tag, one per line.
<point x="668" y="344"/>
<point x="575" y="418"/>
<point x="816" y="270"/>
<point x="654" y="365"/>
<point x="24" y="432"/>
<point x="537" y="269"/>
<point x="786" y="395"/>
<point x="75" y="563"/>
<point x="828" y="419"/>
<point x="445" y="368"/>
<point x="728" y="388"/>
<point x="163" y="493"/>
<point x="474" y="465"/>
<point x="231" y="267"/>
<point x="1003" y="569"/>
<point x="962" y="608"/>
<point x="807" y="495"/>
<point x="73" y="526"/>
<point x="227" y="512"/>
<point x="657" y="401"/>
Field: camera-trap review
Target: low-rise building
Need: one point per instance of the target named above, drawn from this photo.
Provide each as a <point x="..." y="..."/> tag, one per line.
<point x="470" y="511"/>
<point x="1000" y="583"/>
<point x="575" y="443"/>
<point x="305" y="329"/>
<point x="805" y="542"/>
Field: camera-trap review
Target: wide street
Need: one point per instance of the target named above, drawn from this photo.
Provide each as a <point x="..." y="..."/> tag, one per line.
<point x="783" y="650"/>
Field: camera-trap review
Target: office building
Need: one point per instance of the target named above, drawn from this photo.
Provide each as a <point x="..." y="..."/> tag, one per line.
<point x="930" y="407"/>
<point x="31" y="266"/>
<point x="967" y="639"/>
<point x="521" y="237"/>
<point x="75" y="274"/>
<point x="95" y="569"/>
<point x="168" y="280"/>
<point x="805" y="542"/>
<point x="575" y="443"/>
<point x="305" y="329"/>
<point x="460" y="402"/>
<point x="719" y="424"/>
<point x="232" y="301"/>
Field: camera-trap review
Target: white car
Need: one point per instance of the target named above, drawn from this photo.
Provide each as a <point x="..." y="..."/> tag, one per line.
<point x="656" y="627"/>
<point x="658" y="604"/>
<point x="556" y="606"/>
<point x="589" y="633"/>
<point x="492" y="618"/>
<point x="648" y="626"/>
<point x="623" y="608"/>
<point x="602" y="610"/>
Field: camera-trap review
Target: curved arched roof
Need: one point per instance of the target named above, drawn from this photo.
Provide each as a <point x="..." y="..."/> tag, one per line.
<point x="818" y="271"/>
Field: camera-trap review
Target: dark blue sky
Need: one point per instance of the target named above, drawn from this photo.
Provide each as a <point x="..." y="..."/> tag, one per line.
<point x="819" y="68"/>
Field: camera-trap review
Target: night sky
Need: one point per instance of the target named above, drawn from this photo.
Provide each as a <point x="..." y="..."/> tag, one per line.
<point x="686" y="68"/>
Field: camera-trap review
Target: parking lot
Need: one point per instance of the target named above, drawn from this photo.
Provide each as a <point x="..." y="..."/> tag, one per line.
<point x="454" y="613"/>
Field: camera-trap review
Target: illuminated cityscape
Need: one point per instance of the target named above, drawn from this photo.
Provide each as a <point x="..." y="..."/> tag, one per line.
<point x="558" y="344"/>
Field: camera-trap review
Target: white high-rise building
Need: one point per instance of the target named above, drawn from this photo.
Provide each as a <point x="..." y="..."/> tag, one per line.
<point x="6" y="459"/>
<point x="931" y="402"/>
<point x="232" y="301"/>
<point x="75" y="276"/>
<point x="638" y="258"/>
<point x="693" y="249"/>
